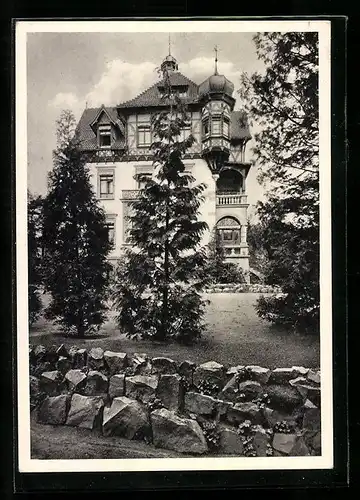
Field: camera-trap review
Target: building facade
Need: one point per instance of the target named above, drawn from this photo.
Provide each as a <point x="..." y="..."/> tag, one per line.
<point x="116" y="143"/>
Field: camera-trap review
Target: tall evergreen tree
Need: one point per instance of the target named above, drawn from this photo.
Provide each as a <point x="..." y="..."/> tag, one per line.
<point x="35" y="205"/>
<point x="75" y="238"/>
<point x="283" y="100"/>
<point x="157" y="294"/>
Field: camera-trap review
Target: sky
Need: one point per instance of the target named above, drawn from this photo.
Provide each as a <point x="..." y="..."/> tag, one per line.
<point x="75" y="70"/>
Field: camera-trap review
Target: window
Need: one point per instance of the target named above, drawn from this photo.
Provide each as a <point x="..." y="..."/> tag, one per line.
<point x="205" y="127"/>
<point x="105" y="136"/>
<point x="106" y="182"/>
<point x="230" y="236"/>
<point x="110" y="226"/>
<point x="144" y="135"/>
<point x="142" y="180"/>
<point x="216" y="126"/>
<point x="226" y="127"/>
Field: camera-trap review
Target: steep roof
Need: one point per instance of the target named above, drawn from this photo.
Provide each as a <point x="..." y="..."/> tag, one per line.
<point x="239" y="126"/>
<point x="87" y="136"/>
<point x="152" y="97"/>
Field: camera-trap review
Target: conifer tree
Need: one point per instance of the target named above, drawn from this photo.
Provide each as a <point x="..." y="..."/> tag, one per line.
<point x="75" y="239"/>
<point x="35" y="205"/>
<point x="157" y="294"/>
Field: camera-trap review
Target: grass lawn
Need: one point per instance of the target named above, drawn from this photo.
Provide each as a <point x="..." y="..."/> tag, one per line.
<point x="235" y="336"/>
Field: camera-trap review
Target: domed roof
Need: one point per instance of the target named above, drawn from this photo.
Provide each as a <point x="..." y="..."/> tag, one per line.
<point x="169" y="58"/>
<point x="169" y="63"/>
<point x="216" y="84"/>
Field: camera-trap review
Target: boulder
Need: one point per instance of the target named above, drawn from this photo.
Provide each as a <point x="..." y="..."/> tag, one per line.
<point x="281" y="375"/>
<point x="244" y="411"/>
<point x="307" y="389"/>
<point x="85" y="411"/>
<point x="316" y="443"/>
<point x="210" y="373"/>
<point x="163" y="365"/>
<point x="50" y="382"/>
<point x="78" y="357"/>
<point x="300" y="371"/>
<point x="312" y="419"/>
<point x="141" y="387"/>
<point x="174" y="433"/>
<point x="51" y="354"/>
<point x="231" y="390"/>
<point x="41" y="367"/>
<point x="95" y="359"/>
<point x="250" y="389"/>
<point x="258" y="373"/>
<point x="284" y="443"/>
<point x="309" y="405"/>
<point x="63" y="364"/>
<point x="62" y="351"/>
<point x="170" y="391"/>
<point x="300" y="449"/>
<point x="39" y="352"/>
<point x="96" y="384"/>
<point x="140" y="364"/>
<point x="200" y="404"/>
<point x="230" y="442"/>
<point x="53" y="410"/>
<point x="314" y="376"/>
<point x="116" y="361"/>
<point x="261" y="440"/>
<point x="186" y="370"/>
<point x="272" y="417"/>
<point x="75" y="380"/>
<point x="234" y="370"/>
<point x="117" y="385"/>
<point x="127" y="418"/>
<point x="283" y="398"/>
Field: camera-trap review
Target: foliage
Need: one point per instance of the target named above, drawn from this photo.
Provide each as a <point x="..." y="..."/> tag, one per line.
<point x="283" y="100"/>
<point x="75" y="239"/>
<point x="34" y="256"/>
<point x="157" y="293"/>
<point x="219" y="271"/>
<point x="211" y="433"/>
<point x="258" y="258"/>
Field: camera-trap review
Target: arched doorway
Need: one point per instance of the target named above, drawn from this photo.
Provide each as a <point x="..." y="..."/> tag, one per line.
<point x="229" y="232"/>
<point x="230" y="181"/>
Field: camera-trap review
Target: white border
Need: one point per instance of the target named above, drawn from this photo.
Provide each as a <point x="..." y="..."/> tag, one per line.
<point x="325" y="461"/>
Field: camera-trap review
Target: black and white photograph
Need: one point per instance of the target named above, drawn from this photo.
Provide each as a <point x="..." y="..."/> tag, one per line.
<point x="173" y="190"/>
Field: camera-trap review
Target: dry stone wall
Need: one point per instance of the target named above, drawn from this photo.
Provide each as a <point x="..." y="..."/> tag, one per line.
<point x="242" y="288"/>
<point x="193" y="409"/>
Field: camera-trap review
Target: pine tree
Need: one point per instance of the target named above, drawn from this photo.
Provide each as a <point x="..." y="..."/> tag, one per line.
<point x="35" y="205"/>
<point x="75" y="239"/>
<point x="159" y="281"/>
<point x="284" y="102"/>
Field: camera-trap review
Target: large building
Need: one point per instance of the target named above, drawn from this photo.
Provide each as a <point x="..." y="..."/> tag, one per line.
<point x="116" y="141"/>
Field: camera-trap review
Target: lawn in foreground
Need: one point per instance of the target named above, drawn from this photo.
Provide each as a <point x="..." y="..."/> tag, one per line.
<point x="235" y="336"/>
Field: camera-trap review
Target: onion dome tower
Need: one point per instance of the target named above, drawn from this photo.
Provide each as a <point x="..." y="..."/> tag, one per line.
<point x="215" y="95"/>
<point x="169" y="64"/>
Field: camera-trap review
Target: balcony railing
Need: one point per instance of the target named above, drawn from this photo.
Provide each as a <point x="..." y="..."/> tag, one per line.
<point x="129" y="194"/>
<point x="231" y="199"/>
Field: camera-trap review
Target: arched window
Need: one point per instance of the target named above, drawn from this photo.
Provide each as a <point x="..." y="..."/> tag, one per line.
<point x="229" y="229"/>
<point x="230" y="181"/>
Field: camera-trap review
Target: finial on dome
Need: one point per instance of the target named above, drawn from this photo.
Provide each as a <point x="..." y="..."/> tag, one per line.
<point x="216" y="59"/>
<point x="169" y="44"/>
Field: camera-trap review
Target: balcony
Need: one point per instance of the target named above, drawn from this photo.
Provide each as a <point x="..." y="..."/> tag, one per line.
<point x="231" y="199"/>
<point x="129" y="194"/>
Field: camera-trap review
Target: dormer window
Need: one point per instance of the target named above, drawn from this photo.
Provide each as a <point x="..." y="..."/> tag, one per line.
<point x="104" y="136"/>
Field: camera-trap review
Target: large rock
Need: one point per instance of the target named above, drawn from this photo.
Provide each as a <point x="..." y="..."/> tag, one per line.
<point x="284" y="443"/>
<point x="141" y="387"/>
<point x="53" y="410"/>
<point x="312" y="419"/>
<point x="307" y="389"/>
<point x="85" y="411"/>
<point x="174" y="433"/>
<point x="75" y="380"/>
<point x="127" y="418"/>
<point x="186" y="370"/>
<point x="283" y="398"/>
<point x="234" y="370"/>
<point x="50" y="382"/>
<point x="78" y="357"/>
<point x="41" y="367"/>
<point x="231" y="390"/>
<point x="281" y="375"/>
<point x="210" y="373"/>
<point x="230" y="442"/>
<point x="300" y="449"/>
<point x="39" y="353"/>
<point x="162" y="365"/>
<point x="200" y="404"/>
<point x="258" y="373"/>
<point x="170" y="391"/>
<point x="140" y="364"/>
<point x="250" y="389"/>
<point x="244" y="411"/>
<point x="116" y="361"/>
<point x="62" y="351"/>
<point x="95" y="359"/>
<point x="314" y="376"/>
<point x="96" y="384"/>
<point x="117" y="385"/>
<point x="63" y="364"/>
<point x="261" y="440"/>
